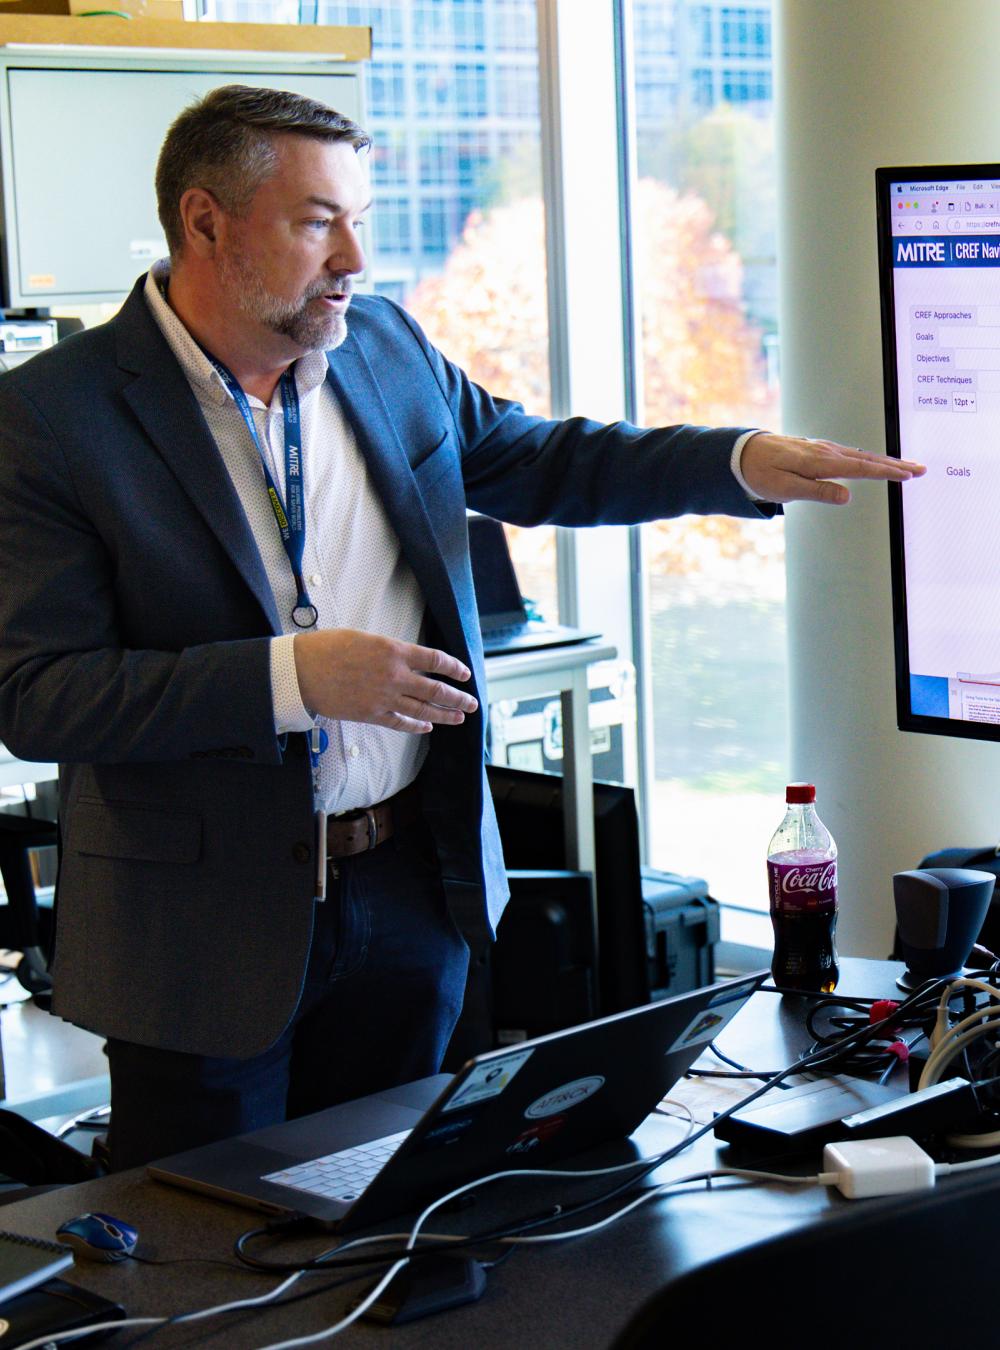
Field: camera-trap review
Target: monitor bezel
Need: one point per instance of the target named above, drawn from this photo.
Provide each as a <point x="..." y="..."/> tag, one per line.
<point x="906" y="718"/>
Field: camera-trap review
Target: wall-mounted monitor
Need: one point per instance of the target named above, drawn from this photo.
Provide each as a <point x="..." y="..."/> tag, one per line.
<point x="79" y="137"/>
<point x="939" y="263"/>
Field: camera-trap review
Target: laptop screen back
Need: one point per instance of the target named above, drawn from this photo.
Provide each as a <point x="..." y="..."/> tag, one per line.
<point x="498" y="596"/>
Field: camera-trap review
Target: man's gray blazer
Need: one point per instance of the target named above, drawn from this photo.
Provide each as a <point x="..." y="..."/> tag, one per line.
<point x="135" y="618"/>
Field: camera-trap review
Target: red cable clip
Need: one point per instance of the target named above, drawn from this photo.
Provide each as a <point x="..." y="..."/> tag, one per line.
<point x="882" y="1009"/>
<point x="900" y="1049"/>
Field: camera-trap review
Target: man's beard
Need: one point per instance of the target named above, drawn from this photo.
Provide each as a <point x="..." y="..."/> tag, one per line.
<point x="312" y="330"/>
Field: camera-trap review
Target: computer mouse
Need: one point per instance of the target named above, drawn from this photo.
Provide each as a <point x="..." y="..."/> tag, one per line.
<point x="98" y="1237"/>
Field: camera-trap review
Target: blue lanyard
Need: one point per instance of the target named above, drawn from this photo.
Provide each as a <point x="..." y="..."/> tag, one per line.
<point x="290" y="518"/>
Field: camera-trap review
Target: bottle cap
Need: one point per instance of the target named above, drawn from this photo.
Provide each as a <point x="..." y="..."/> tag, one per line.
<point x="800" y="793"/>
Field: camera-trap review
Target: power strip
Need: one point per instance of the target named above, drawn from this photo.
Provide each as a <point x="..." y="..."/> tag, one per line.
<point x="813" y="1114"/>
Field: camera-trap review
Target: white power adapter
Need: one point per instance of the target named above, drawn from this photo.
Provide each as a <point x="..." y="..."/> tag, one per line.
<point x="865" y="1167"/>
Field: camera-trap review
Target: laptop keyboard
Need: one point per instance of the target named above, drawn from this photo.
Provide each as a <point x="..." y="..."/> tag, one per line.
<point x="343" y="1175"/>
<point x="504" y="631"/>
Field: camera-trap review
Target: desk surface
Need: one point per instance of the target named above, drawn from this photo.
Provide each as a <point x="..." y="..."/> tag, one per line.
<point x="549" y="660"/>
<point x="580" y="1294"/>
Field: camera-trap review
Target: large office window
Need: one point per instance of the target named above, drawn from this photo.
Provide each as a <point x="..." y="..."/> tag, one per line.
<point x="714" y="587"/>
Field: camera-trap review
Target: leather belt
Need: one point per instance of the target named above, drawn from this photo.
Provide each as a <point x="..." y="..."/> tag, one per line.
<point x="358" y="831"/>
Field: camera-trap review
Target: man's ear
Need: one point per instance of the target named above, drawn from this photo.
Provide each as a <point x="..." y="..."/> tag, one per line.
<point x="201" y="218"/>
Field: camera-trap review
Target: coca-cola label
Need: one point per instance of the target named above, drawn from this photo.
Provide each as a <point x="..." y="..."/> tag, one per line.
<point x="802" y="885"/>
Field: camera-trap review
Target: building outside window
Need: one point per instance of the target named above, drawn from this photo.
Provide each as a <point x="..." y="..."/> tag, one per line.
<point x="514" y="26"/>
<point x="391" y="225"/>
<point x="390" y="160"/>
<point x="433" y="226"/>
<point x="746" y="86"/>
<point x="745" y="31"/>
<point x="387" y="89"/>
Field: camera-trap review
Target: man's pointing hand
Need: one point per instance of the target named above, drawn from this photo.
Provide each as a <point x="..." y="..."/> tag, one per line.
<point x="793" y="469"/>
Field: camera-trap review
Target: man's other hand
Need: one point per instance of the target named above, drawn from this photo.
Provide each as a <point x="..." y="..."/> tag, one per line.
<point x="792" y="469"/>
<point x="362" y="677"/>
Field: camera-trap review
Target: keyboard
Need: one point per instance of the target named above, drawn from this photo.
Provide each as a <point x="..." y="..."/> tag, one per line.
<point x="505" y="631"/>
<point x="343" y="1175"/>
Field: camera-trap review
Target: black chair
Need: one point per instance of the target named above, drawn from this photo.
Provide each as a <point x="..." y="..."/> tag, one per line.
<point x="914" y="1270"/>
<point x="25" y="925"/>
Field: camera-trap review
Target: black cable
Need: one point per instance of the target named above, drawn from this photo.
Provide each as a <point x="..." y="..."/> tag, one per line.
<point x="190" y="1261"/>
<point x="741" y="1070"/>
<point x="767" y="1074"/>
<point x="879" y="1060"/>
<point x="328" y="1260"/>
<point x="317" y="1287"/>
<point x="733" y="1064"/>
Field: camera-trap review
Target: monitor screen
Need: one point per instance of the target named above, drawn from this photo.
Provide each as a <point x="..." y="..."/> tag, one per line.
<point x="939" y="265"/>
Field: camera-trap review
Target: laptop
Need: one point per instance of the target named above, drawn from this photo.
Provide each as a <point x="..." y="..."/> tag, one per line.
<point x="525" y="1105"/>
<point x="503" y="617"/>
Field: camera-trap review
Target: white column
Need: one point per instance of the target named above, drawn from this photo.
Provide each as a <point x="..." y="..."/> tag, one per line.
<point x="862" y="85"/>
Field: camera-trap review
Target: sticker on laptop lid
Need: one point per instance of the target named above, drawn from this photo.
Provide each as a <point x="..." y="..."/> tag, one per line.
<point x="535" y="1135"/>
<point x="446" y="1132"/>
<point x="742" y="991"/>
<point x="564" y="1097"/>
<point x="706" y="1025"/>
<point x="488" y="1080"/>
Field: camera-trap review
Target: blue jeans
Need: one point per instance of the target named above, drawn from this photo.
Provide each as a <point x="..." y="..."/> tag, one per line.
<point x="383" y="991"/>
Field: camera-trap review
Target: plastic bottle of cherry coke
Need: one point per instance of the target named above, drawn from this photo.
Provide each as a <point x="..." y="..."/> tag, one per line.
<point x="802" y="886"/>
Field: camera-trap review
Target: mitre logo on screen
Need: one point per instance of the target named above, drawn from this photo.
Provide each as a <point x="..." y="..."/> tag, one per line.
<point x="981" y="251"/>
<point x="920" y="251"/>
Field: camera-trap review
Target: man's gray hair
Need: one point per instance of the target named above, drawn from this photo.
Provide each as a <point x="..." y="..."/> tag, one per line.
<point x="224" y="143"/>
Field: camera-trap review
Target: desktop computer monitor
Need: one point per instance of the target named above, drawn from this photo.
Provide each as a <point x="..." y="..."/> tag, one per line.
<point x="529" y="809"/>
<point x="939" y="265"/>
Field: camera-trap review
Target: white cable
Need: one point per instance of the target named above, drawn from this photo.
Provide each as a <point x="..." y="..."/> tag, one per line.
<point x="241" y="1302"/>
<point x="977" y="1016"/>
<point x="988" y="1140"/>
<point x="943" y="1169"/>
<point x="687" y="1119"/>
<point x="414" y="1234"/>
<point x="661" y="1190"/>
<point x="944" y="1039"/>
<point x="950" y="1049"/>
<point x="352" y="1316"/>
<point x="743" y="1174"/>
<point x="287" y="1283"/>
<point x="947" y="994"/>
<point x="59" y="1337"/>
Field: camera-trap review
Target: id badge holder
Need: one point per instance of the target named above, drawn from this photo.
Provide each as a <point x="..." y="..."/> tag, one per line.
<point x="321" y="867"/>
<point x="318" y="741"/>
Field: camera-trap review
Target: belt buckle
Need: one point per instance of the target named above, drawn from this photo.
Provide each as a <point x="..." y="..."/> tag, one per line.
<point x="372" y="827"/>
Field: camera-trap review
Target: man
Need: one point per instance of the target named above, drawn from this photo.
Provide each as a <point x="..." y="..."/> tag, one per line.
<point x="237" y="593"/>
